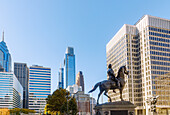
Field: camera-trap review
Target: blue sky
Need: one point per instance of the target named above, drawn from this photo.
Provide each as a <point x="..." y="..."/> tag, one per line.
<point x="39" y="31"/>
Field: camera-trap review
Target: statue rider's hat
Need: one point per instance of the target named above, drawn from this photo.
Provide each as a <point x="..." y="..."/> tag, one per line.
<point x="109" y="66"/>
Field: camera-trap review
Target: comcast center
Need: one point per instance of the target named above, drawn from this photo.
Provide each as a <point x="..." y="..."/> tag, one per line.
<point x="145" y="50"/>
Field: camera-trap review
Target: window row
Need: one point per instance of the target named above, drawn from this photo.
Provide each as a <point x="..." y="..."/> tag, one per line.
<point x="159" y="30"/>
<point x="40" y="84"/>
<point x="39" y="81"/>
<point x="160" y="58"/>
<point x="34" y="86"/>
<point x="39" y="68"/>
<point x="114" y="52"/>
<point x="157" y="34"/>
<point x="117" y="44"/>
<point x="159" y="39"/>
<point x="37" y="94"/>
<point x="160" y="68"/>
<point x="160" y="53"/>
<point x="40" y="71"/>
<point x="159" y="44"/>
<point x="136" y="41"/>
<point x="157" y="77"/>
<point x="32" y="73"/>
<point x="159" y="72"/>
<point x="40" y="78"/>
<point x="160" y="63"/>
<point x="117" y="56"/>
<point x="160" y="48"/>
<point x="39" y="89"/>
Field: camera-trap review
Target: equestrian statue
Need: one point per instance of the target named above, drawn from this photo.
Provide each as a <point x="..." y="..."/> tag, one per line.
<point x="112" y="83"/>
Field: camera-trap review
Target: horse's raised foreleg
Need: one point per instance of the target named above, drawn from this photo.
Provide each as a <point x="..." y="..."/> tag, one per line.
<point x="105" y="93"/>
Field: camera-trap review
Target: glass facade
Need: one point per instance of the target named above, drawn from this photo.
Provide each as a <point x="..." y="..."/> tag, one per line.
<point x="159" y="40"/>
<point x="146" y="52"/>
<point x="61" y="78"/>
<point x="5" y="57"/>
<point x="39" y="87"/>
<point x="22" y="74"/>
<point x="11" y="91"/>
<point x="69" y="67"/>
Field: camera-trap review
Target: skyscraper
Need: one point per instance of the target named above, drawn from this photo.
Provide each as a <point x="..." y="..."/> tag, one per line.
<point x="39" y="87"/>
<point x="11" y="91"/>
<point x="61" y="78"/>
<point x="69" y="67"/>
<point x="144" y="48"/>
<point x="5" y="57"/>
<point x="22" y="74"/>
<point x="80" y="80"/>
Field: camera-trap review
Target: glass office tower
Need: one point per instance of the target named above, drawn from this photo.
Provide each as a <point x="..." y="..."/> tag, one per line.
<point x="22" y="74"/>
<point x="69" y="67"/>
<point x="5" y="57"/>
<point x="39" y="87"/>
<point x="145" y="49"/>
<point x="11" y="91"/>
<point x="61" y="78"/>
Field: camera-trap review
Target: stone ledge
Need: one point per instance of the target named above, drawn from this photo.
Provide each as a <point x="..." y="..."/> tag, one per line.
<point x="117" y="106"/>
<point x="120" y="104"/>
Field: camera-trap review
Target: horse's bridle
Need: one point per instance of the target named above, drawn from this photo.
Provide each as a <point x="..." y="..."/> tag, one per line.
<point x="125" y="71"/>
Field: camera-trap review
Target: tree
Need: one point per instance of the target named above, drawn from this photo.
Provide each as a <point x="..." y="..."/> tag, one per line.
<point x="61" y="101"/>
<point x="17" y="111"/>
<point x="73" y="106"/>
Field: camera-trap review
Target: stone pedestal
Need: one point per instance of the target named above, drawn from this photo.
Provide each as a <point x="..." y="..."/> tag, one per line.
<point x="152" y="113"/>
<point x="115" y="108"/>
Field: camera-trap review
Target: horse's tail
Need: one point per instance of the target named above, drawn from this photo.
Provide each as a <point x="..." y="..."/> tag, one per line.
<point x="94" y="88"/>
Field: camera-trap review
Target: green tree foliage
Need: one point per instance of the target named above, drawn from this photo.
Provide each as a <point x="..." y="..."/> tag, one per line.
<point x="17" y="111"/>
<point x="26" y="111"/>
<point x="61" y="101"/>
<point x="73" y="106"/>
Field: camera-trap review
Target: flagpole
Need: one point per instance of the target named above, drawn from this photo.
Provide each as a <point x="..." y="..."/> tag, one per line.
<point x="92" y="103"/>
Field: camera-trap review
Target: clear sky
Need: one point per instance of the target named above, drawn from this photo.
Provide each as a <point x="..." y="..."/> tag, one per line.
<point x="39" y="31"/>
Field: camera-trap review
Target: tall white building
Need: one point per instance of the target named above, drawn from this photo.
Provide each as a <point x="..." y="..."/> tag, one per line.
<point x="39" y="87"/>
<point x="11" y="91"/>
<point x="145" y="49"/>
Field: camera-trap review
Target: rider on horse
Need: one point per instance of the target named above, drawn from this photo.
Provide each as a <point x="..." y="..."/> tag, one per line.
<point x="112" y="83"/>
<point x="112" y="77"/>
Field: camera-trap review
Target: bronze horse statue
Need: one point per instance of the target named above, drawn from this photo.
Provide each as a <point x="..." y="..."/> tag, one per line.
<point x="107" y="85"/>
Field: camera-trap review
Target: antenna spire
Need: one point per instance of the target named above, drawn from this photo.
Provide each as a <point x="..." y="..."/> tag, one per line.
<point x="3" y="36"/>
